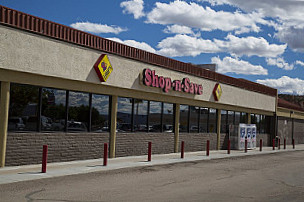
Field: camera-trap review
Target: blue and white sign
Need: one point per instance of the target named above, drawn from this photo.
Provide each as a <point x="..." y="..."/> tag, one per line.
<point x="247" y="131"/>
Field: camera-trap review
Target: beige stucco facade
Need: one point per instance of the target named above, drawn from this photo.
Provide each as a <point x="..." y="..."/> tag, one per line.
<point x="33" y="59"/>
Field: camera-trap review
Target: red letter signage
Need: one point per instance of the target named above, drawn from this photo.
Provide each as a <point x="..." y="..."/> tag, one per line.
<point x="166" y="84"/>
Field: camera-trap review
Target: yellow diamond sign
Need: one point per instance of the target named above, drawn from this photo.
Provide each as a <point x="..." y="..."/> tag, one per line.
<point x="217" y="92"/>
<point x="103" y="67"/>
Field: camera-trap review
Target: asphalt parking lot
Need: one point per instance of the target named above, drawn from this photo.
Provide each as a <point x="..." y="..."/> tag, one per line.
<point x="270" y="177"/>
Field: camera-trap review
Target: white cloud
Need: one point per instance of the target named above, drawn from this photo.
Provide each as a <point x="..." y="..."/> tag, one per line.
<point x="279" y="62"/>
<point x="292" y="36"/>
<point x="298" y="62"/>
<point x="206" y="19"/>
<point x="234" y="65"/>
<point x="183" y="45"/>
<point x="285" y="84"/>
<point x="288" y="15"/>
<point x="135" y="44"/>
<point x="178" y="29"/>
<point x="97" y="28"/>
<point x="134" y="7"/>
<point x="250" y="46"/>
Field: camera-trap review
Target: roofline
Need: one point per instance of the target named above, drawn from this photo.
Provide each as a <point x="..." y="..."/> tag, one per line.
<point x="289" y="105"/>
<point x="33" y="24"/>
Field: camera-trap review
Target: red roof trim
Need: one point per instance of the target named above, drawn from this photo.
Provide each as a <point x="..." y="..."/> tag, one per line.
<point x="288" y="105"/>
<point x="50" y="29"/>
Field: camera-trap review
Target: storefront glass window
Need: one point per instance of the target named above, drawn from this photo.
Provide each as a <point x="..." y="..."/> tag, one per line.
<point x="23" y="110"/>
<point x="243" y="117"/>
<point x="257" y="120"/>
<point x="230" y="118"/>
<point x="194" y="113"/>
<point x="253" y="120"/>
<point x="183" y="120"/>
<point x="204" y="120"/>
<point x="212" y="122"/>
<point x="237" y="118"/>
<point x="100" y="113"/>
<point x="140" y="115"/>
<point x="124" y="114"/>
<point x="168" y="117"/>
<point x="155" y="116"/>
<point x="262" y="124"/>
<point x="79" y="112"/>
<point x="223" y="121"/>
<point x="53" y="109"/>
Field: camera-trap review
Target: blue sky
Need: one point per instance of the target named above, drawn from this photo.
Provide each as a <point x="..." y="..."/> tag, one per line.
<point x="262" y="41"/>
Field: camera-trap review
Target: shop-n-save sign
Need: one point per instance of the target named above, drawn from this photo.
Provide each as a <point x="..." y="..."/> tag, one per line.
<point x="166" y="84"/>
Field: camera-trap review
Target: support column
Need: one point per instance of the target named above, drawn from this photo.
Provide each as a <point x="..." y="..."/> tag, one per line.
<point x="248" y="118"/>
<point x="176" y="127"/>
<point x="113" y="125"/>
<point x="218" y="129"/>
<point x="4" y="107"/>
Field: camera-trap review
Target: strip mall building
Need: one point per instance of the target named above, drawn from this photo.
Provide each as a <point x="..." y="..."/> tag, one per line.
<point x="51" y="93"/>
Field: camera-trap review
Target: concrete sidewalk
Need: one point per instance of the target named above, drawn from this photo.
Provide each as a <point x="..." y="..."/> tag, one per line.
<point x="33" y="172"/>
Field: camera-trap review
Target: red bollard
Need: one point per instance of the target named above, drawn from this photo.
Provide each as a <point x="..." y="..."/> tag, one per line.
<point x="293" y="144"/>
<point x="273" y="144"/>
<point x="279" y="144"/>
<point x="149" y="151"/>
<point x="284" y="143"/>
<point x="229" y="144"/>
<point x="105" y="154"/>
<point x="207" y="147"/>
<point x="261" y="144"/>
<point x="182" y="149"/>
<point x="246" y="146"/>
<point x="44" y="158"/>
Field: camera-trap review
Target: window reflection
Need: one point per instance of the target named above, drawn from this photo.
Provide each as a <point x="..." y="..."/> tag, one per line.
<point x="230" y="118"/>
<point x="194" y="113"/>
<point x="140" y="115"/>
<point x="100" y="113"/>
<point x="262" y="124"/>
<point x="243" y="117"/>
<point x="53" y="109"/>
<point x="183" y="120"/>
<point x="253" y="120"/>
<point x="168" y="117"/>
<point x="212" y="121"/>
<point x="124" y="114"/>
<point x="78" y="112"/>
<point x="23" y="109"/>
<point x="237" y="118"/>
<point x="223" y="121"/>
<point x="204" y="120"/>
<point x="155" y="116"/>
<point x="257" y="120"/>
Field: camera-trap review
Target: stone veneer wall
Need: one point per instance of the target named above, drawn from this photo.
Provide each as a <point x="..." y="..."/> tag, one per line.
<point x="26" y="148"/>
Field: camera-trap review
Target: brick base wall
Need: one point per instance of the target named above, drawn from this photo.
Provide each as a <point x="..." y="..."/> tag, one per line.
<point x="26" y="148"/>
<point x="299" y="131"/>
<point x="135" y="144"/>
<point x="197" y="141"/>
<point x="285" y="130"/>
<point x="265" y="138"/>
